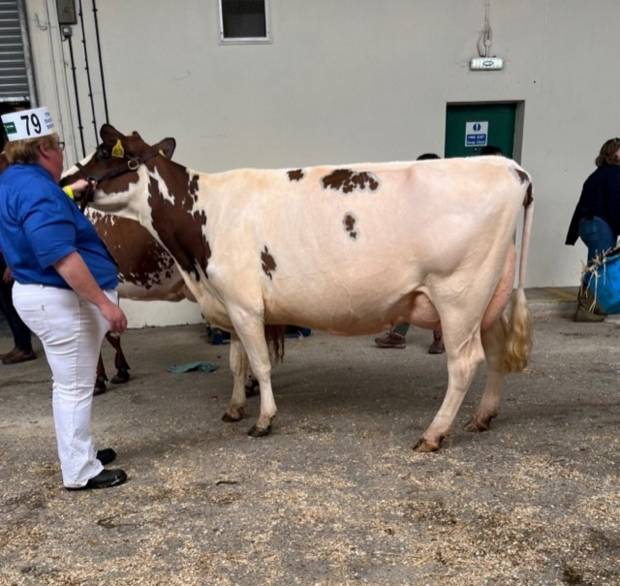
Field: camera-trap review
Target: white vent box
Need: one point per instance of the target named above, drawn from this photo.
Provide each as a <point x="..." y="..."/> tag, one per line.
<point x="486" y="63"/>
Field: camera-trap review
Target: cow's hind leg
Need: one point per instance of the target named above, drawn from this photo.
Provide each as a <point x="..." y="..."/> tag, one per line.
<point x="239" y="367"/>
<point x="251" y="332"/>
<point x="464" y="352"/>
<point x="494" y="343"/>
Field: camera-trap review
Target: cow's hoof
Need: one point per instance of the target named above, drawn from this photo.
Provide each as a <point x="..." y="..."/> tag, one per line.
<point x="479" y="424"/>
<point x="436" y="347"/>
<point x="255" y="431"/>
<point x="100" y="387"/>
<point x="122" y="376"/>
<point x="233" y="417"/>
<point x="424" y="446"/>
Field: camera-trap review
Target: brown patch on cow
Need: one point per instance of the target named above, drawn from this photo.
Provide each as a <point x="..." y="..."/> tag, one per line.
<point x="193" y="188"/>
<point x="346" y="180"/>
<point x="349" y="225"/>
<point x="145" y="261"/>
<point x="179" y="224"/>
<point x="268" y="262"/>
<point x="529" y="197"/>
<point x="295" y="175"/>
<point x="525" y="178"/>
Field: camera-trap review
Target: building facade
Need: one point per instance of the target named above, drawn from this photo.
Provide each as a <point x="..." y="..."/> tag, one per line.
<point x="289" y="83"/>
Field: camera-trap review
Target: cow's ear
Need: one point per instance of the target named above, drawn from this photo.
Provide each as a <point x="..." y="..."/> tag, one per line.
<point x="109" y="134"/>
<point x="166" y="147"/>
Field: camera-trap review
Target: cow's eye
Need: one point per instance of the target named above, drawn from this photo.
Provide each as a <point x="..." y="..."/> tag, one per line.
<point x="103" y="152"/>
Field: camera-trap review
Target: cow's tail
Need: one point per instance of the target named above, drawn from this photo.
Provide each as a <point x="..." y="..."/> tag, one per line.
<point x="519" y="321"/>
<point x="275" y="340"/>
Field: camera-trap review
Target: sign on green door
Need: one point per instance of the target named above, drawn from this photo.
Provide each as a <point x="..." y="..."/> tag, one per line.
<point x="471" y="127"/>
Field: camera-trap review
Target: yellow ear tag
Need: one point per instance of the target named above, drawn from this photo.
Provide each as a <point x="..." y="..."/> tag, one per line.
<point x="161" y="152"/>
<point x="118" y="150"/>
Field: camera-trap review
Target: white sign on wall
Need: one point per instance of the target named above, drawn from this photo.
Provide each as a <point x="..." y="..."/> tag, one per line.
<point x="476" y="134"/>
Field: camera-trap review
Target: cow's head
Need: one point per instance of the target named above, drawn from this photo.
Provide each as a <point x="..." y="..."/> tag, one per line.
<point x="115" y="166"/>
<point x="140" y="182"/>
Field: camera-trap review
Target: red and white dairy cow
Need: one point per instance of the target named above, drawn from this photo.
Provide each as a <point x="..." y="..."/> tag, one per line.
<point x="352" y="250"/>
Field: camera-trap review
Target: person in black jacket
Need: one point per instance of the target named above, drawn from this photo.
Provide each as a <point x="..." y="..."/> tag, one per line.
<point x="596" y="219"/>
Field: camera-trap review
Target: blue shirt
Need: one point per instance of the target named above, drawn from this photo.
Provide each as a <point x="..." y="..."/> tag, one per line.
<point x="40" y="225"/>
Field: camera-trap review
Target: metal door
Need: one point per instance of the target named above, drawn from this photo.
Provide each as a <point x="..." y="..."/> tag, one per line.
<point x="470" y="127"/>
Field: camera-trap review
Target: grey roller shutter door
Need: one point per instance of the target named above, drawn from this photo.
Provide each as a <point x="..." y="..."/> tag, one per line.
<point x="13" y="74"/>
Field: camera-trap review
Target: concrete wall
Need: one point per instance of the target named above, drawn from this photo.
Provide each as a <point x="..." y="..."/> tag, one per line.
<point x="359" y="80"/>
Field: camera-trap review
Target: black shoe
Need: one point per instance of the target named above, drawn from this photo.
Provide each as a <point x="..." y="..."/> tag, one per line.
<point x="105" y="479"/>
<point x="9" y="353"/>
<point x="106" y="456"/>
<point x="391" y="339"/>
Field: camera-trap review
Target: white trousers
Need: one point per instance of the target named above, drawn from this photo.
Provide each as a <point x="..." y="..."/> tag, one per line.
<point x="71" y="330"/>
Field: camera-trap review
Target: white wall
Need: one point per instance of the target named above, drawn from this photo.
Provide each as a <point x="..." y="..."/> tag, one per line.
<point x="360" y="80"/>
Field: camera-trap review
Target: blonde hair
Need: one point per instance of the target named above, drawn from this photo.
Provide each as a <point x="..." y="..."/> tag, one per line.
<point x="27" y="150"/>
<point x="607" y="156"/>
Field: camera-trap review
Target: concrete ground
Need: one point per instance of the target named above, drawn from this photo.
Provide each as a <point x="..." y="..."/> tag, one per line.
<point x="335" y="495"/>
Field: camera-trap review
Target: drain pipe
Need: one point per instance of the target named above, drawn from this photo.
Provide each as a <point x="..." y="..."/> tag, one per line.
<point x="105" y="97"/>
<point x="87" y="69"/>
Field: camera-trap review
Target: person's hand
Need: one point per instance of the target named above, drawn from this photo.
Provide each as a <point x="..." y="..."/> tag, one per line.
<point x="115" y="316"/>
<point x="7" y="276"/>
<point x="82" y="185"/>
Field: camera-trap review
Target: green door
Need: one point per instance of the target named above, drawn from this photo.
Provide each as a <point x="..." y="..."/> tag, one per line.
<point x="471" y="127"/>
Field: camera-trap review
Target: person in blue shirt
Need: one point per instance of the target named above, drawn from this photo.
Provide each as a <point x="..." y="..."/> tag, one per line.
<point x="64" y="288"/>
<point x="596" y="220"/>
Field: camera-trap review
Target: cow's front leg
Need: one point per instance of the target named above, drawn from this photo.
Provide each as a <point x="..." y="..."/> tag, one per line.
<point x="494" y="343"/>
<point x="120" y="362"/>
<point x="239" y="367"/>
<point x="464" y="356"/>
<point x="101" y="378"/>
<point x="251" y="332"/>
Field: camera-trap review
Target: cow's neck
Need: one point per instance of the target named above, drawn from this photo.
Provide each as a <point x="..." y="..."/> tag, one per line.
<point x="178" y="222"/>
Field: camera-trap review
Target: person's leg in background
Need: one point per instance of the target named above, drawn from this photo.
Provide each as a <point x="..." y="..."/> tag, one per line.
<point x="397" y="338"/>
<point x="394" y="338"/>
<point x="71" y="331"/>
<point x="22" y="341"/>
<point x="598" y="237"/>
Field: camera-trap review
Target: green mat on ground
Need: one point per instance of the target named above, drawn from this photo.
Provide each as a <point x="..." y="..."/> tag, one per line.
<point x="193" y="367"/>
